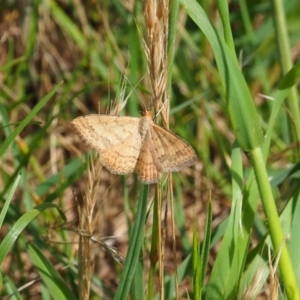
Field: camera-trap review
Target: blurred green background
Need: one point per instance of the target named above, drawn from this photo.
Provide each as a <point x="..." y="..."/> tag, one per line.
<point x="90" y="45"/>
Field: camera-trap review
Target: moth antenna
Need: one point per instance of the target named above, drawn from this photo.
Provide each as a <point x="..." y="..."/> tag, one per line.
<point x="134" y="90"/>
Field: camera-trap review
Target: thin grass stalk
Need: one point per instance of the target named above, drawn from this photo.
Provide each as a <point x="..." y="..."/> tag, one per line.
<point x="286" y="61"/>
<point x="164" y="234"/>
<point x="173" y="21"/>
<point x="137" y="289"/>
<point x="136" y="240"/>
<point x="224" y="14"/>
<point x="154" y="252"/>
<point x="87" y="225"/>
<point x="156" y="20"/>
<point x="196" y="261"/>
<point x="276" y="232"/>
<point x="7" y="202"/>
<point x="172" y="30"/>
<point x="250" y="33"/>
<point x="248" y="133"/>
<point x="170" y="200"/>
<point x="204" y="251"/>
<point x="156" y="46"/>
<point x="267" y="199"/>
<point x="27" y="119"/>
<point x="161" y="242"/>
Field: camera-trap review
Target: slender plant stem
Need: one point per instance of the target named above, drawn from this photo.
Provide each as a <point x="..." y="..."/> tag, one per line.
<point x="286" y="60"/>
<point x="224" y="14"/>
<point x="135" y="245"/>
<point x="276" y="232"/>
<point x="173" y="23"/>
<point x="154" y="252"/>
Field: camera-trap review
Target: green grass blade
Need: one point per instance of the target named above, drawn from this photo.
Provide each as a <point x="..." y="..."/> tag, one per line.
<point x="153" y="255"/>
<point x="173" y="23"/>
<point x="254" y="278"/>
<point x="290" y="79"/>
<point x="200" y="258"/>
<point x="68" y="25"/>
<point x="70" y="172"/>
<point x="206" y="243"/>
<point x="137" y="286"/>
<point x="19" y="226"/>
<point x="224" y="14"/>
<point x="179" y="214"/>
<point x="276" y="232"/>
<point x="134" y="249"/>
<point x="240" y="105"/>
<point x="11" y="289"/>
<point x="8" y="200"/>
<point x="56" y="285"/>
<point x="27" y="119"/>
<point x="286" y="60"/>
<point x="293" y="246"/>
<point x="196" y="260"/>
<point x="12" y="63"/>
<point x="229" y="263"/>
<point x="183" y="271"/>
<point x="5" y="120"/>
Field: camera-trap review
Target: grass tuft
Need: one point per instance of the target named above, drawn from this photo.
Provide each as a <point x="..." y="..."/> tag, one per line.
<point x="203" y="69"/>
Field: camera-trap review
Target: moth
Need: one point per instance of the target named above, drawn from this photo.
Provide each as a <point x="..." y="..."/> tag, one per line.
<point x="129" y="144"/>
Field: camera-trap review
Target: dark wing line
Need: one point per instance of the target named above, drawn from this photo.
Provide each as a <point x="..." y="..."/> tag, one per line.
<point x="122" y="158"/>
<point x="181" y="156"/>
